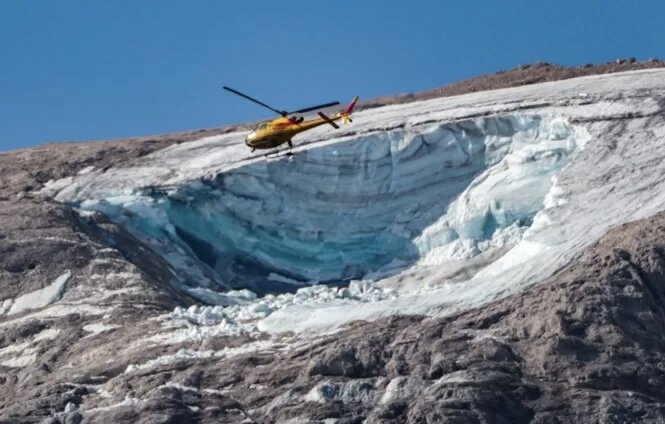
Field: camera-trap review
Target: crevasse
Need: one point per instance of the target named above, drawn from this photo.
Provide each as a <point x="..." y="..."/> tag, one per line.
<point x="373" y="204"/>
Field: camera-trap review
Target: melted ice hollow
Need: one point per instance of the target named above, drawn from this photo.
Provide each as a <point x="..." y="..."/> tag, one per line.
<point x="371" y="205"/>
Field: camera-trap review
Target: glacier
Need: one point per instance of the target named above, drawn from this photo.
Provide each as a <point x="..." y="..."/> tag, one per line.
<point x="369" y="203"/>
<point x="433" y="206"/>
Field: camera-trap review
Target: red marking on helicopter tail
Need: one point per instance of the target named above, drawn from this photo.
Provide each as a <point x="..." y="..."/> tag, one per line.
<point x="349" y="108"/>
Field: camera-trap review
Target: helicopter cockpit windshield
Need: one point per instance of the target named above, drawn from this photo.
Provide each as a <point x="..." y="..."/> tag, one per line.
<point x="253" y="134"/>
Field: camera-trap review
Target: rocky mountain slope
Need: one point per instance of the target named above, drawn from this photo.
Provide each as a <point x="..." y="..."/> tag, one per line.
<point x="94" y="317"/>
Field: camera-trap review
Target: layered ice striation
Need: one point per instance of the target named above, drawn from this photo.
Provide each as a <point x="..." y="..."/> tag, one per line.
<point x="371" y="204"/>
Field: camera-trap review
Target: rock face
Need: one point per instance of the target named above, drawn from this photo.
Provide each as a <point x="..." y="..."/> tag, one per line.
<point x="86" y="333"/>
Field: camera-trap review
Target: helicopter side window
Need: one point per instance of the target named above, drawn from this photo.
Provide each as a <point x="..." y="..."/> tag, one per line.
<point x="261" y="126"/>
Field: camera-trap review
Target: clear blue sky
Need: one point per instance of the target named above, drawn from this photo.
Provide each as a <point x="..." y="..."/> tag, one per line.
<point x="99" y="69"/>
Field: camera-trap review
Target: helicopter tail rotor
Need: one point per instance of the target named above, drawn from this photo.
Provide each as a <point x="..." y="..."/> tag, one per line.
<point x="348" y="110"/>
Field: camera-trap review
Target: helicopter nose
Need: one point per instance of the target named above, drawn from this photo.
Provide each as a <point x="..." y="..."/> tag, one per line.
<point x="250" y="137"/>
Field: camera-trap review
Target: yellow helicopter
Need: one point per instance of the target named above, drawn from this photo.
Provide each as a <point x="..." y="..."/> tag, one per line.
<point x="271" y="134"/>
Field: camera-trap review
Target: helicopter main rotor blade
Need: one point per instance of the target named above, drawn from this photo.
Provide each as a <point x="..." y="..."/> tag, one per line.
<point x="328" y="120"/>
<point x="279" y="112"/>
<point x="309" y="109"/>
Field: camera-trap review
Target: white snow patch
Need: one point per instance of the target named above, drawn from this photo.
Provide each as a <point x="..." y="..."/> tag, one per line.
<point x="191" y="354"/>
<point x="401" y="389"/>
<point x="99" y="327"/>
<point x="215" y="392"/>
<point x="178" y="386"/>
<point x="15" y="348"/>
<point x="57" y="310"/>
<point x="52" y="187"/>
<point x="70" y="407"/>
<point x="86" y="170"/>
<point x="48" y="334"/>
<point x="5" y="305"/>
<point x="455" y="377"/>
<point x="347" y="392"/>
<point x="20" y="361"/>
<point x="212" y="297"/>
<point x="42" y="297"/>
<point x="128" y="401"/>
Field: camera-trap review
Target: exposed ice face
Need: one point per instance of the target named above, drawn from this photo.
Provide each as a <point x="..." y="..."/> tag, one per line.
<point x="370" y="205"/>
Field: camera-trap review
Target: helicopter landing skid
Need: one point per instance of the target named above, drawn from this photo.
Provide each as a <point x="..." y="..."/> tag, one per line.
<point x="278" y="154"/>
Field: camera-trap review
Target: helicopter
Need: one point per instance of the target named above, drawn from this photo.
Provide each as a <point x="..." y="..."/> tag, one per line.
<point x="274" y="133"/>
